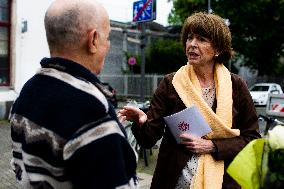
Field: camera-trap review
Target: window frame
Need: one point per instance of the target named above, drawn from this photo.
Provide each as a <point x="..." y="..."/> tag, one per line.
<point x="7" y="24"/>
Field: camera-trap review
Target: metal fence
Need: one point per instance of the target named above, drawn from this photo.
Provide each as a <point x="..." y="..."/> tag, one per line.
<point x="129" y="85"/>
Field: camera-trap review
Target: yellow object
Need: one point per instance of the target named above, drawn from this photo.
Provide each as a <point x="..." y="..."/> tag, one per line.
<point x="246" y="167"/>
<point x="209" y="172"/>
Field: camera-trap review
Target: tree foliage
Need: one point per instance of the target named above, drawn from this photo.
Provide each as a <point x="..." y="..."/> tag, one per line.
<point x="257" y="28"/>
<point x="165" y="56"/>
<point x="162" y="57"/>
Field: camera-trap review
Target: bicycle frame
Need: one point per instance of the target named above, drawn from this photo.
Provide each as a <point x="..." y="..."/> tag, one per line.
<point x="270" y="122"/>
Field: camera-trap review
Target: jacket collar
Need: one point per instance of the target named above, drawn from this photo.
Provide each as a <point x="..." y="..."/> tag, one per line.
<point x="73" y="68"/>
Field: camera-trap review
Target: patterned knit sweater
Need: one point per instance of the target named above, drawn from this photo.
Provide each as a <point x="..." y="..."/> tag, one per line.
<point x="66" y="134"/>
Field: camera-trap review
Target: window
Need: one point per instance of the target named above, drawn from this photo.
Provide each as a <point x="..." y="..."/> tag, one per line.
<point x="5" y="25"/>
<point x="260" y="88"/>
<point x="274" y="88"/>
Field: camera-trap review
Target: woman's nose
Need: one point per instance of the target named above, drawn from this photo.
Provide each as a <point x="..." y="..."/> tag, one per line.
<point x="193" y="42"/>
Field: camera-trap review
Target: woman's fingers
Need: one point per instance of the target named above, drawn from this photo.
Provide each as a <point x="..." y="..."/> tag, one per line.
<point x="196" y="144"/>
<point x="186" y="137"/>
<point x="131" y="108"/>
<point x="132" y="114"/>
<point x="121" y="118"/>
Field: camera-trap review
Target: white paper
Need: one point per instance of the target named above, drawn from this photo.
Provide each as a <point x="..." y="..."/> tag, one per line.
<point x="189" y="120"/>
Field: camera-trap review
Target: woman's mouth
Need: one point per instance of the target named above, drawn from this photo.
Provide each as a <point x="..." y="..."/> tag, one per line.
<point x="193" y="55"/>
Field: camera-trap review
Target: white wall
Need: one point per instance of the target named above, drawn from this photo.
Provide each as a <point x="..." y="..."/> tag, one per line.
<point x="27" y="48"/>
<point x="31" y="46"/>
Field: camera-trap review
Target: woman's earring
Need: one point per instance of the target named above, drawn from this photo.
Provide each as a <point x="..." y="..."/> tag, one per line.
<point x="216" y="55"/>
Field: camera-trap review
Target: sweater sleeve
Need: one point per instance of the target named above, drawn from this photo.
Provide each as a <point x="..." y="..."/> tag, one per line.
<point x="244" y="118"/>
<point x="148" y="134"/>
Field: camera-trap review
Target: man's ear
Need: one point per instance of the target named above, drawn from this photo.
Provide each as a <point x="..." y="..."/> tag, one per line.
<point x="93" y="41"/>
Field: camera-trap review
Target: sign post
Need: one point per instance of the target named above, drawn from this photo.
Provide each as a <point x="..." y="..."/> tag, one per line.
<point x="143" y="11"/>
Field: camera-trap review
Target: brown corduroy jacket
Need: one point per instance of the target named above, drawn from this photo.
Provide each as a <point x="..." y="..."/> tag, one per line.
<point x="172" y="156"/>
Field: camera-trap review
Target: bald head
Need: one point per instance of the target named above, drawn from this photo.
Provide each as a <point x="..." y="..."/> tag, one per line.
<point x="68" y="21"/>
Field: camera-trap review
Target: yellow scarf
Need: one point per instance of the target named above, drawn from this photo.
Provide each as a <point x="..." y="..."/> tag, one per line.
<point x="209" y="172"/>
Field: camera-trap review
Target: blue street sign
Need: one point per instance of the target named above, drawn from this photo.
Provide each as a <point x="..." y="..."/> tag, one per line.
<point x="144" y="10"/>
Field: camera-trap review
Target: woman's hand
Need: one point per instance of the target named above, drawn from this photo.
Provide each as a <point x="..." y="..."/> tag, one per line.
<point x="132" y="114"/>
<point x="196" y="144"/>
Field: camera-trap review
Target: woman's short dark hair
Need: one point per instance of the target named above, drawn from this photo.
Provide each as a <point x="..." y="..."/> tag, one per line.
<point x="212" y="27"/>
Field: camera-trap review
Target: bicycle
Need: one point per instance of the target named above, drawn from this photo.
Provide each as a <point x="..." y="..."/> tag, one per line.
<point x="263" y="159"/>
<point x="271" y="122"/>
<point x="131" y="138"/>
<point x="271" y="158"/>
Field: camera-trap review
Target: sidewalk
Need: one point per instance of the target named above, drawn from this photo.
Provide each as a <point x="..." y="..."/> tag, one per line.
<point x="7" y="177"/>
<point x="144" y="180"/>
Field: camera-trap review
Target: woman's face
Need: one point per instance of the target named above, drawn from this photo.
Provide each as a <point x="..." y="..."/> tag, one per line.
<point x="199" y="50"/>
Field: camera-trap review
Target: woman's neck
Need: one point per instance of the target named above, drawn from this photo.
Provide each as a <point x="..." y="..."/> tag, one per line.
<point x="205" y="75"/>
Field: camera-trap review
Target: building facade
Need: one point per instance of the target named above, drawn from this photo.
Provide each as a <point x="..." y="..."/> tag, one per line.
<point x="23" y="44"/>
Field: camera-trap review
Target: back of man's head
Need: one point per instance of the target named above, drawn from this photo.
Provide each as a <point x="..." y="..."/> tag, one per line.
<point x="68" y="21"/>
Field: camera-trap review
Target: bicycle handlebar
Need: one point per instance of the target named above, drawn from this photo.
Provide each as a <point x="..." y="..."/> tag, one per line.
<point x="270" y="122"/>
<point x="270" y="119"/>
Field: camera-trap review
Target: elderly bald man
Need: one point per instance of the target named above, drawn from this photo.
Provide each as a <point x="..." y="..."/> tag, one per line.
<point x="65" y="133"/>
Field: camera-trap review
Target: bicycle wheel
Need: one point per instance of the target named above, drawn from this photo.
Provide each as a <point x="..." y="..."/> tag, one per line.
<point x="130" y="137"/>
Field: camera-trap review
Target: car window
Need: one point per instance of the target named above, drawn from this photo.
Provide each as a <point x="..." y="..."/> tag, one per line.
<point x="259" y="88"/>
<point x="273" y="88"/>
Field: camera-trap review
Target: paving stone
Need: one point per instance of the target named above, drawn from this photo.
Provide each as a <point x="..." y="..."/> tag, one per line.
<point x="7" y="176"/>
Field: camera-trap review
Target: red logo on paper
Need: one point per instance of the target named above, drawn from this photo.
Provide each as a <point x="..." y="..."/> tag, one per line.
<point x="183" y="126"/>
